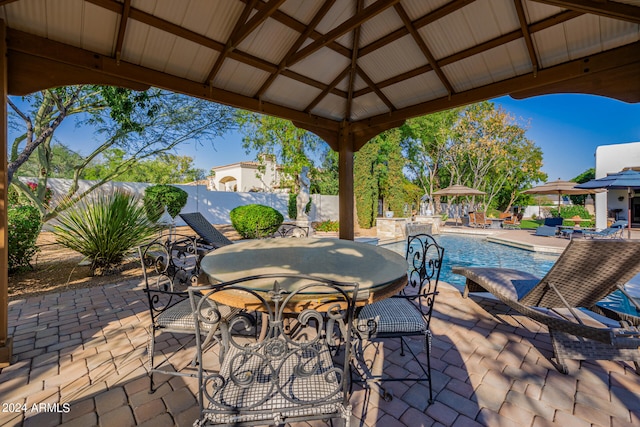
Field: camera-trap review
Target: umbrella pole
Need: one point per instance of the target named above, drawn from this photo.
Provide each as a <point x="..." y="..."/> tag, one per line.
<point x="629" y="213"/>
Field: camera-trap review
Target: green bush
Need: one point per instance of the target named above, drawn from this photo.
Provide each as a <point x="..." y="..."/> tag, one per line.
<point x="105" y="229"/>
<point x="252" y="221"/>
<point x="24" y="224"/>
<point x="328" y="225"/>
<point x="156" y="197"/>
<point x="568" y="212"/>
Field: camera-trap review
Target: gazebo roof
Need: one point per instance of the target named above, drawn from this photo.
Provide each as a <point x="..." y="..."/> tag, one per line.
<point x="321" y="63"/>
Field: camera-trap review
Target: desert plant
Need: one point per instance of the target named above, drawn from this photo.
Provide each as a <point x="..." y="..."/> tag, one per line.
<point x="104" y="229"/>
<point x="24" y="223"/>
<point x="252" y="221"/>
<point x="328" y="225"/>
<point x="156" y="197"/>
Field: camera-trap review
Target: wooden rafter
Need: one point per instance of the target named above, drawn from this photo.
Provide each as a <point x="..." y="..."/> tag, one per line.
<point x="348" y="25"/>
<point x="328" y="89"/>
<point x="230" y="45"/>
<point x="423" y="47"/>
<point x="370" y="83"/>
<point x="194" y="37"/>
<point x="608" y="9"/>
<point x="35" y="48"/>
<point x="482" y="47"/>
<point x="417" y="24"/>
<point x="294" y="48"/>
<point x="122" y="28"/>
<point x="527" y="36"/>
<point x="605" y="62"/>
<point x="354" y="63"/>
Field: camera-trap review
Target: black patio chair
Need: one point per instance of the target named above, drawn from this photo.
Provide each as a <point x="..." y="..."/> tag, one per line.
<point x="208" y="235"/>
<point x="298" y="372"/>
<point x="170" y="264"/>
<point x="406" y="314"/>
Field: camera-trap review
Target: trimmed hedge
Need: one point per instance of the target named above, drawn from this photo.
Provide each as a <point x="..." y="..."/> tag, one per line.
<point x="24" y="227"/>
<point x="157" y="197"/>
<point x="253" y="221"/>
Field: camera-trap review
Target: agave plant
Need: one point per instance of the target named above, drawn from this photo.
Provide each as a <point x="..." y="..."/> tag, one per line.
<point x="104" y="229"/>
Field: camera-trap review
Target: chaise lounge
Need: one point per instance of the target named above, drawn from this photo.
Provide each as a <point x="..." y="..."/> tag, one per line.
<point x="585" y="273"/>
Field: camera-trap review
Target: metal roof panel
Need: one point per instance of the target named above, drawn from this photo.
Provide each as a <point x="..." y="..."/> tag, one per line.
<point x="324" y="66"/>
<point x="270" y="41"/>
<point x="422" y="88"/>
<point x="99" y="30"/>
<point x="366" y="106"/>
<point x="237" y="77"/>
<point x="282" y="88"/>
<point x="395" y="58"/>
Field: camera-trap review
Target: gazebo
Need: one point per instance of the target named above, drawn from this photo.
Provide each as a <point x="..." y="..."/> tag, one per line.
<point x="345" y="70"/>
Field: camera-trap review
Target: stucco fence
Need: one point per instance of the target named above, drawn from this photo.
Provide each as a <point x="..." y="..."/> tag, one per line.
<point x="213" y="205"/>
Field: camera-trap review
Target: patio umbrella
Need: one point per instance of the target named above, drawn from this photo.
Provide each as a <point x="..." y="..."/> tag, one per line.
<point x="458" y="190"/>
<point x="559" y="187"/>
<point x="627" y="179"/>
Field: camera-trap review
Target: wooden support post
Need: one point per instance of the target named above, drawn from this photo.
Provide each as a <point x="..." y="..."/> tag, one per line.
<point x="6" y="342"/>
<point x="345" y="176"/>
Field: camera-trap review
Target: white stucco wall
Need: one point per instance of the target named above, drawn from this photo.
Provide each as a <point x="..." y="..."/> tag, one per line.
<point x="611" y="159"/>
<point x="216" y="205"/>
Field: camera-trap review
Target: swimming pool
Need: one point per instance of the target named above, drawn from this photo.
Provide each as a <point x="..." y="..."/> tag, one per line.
<point x="476" y="251"/>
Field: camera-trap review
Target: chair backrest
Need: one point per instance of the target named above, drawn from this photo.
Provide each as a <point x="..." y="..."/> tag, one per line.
<point x="586" y="272"/>
<point x="170" y="264"/>
<point x="302" y="364"/>
<point x="481" y="219"/>
<point x="424" y="256"/>
<point x="505" y="215"/>
<point x="619" y="224"/>
<point x="546" y="231"/>
<point x="207" y="232"/>
<point x="553" y="222"/>
<point x="472" y="219"/>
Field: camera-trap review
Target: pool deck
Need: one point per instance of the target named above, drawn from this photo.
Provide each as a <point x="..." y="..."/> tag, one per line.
<point x="491" y="367"/>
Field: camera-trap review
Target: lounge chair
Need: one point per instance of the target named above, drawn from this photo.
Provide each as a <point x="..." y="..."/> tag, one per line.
<point x="546" y="231"/>
<point x="207" y="233"/>
<point x="586" y="272"/>
<point x="511" y="221"/>
<point x="482" y="221"/>
<point x="614" y="231"/>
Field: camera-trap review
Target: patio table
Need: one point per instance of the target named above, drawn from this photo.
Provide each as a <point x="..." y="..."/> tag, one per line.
<point x="379" y="272"/>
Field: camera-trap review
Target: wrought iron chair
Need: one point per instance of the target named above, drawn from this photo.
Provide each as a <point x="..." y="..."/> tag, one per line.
<point x="408" y="313"/>
<point x="298" y="372"/>
<point x="170" y="264"/>
<point x="286" y="230"/>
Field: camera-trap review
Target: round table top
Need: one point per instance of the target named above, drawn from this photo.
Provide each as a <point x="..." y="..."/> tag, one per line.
<point x="378" y="271"/>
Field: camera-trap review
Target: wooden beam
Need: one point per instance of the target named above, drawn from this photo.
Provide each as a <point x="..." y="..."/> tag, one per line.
<point x="348" y="25"/>
<point x="489" y="44"/>
<point x="326" y="6"/>
<point x="39" y="48"/>
<point x="424" y="48"/>
<point x="248" y="8"/>
<point x="594" y="66"/>
<point x="433" y="16"/>
<point x="122" y="28"/>
<point x="524" y="26"/>
<point x="608" y="9"/>
<point x="354" y="63"/>
<point x="345" y="182"/>
<point x="328" y="89"/>
<point x="6" y="341"/>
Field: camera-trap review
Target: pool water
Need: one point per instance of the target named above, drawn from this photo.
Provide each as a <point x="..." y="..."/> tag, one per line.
<point x="476" y="251"/>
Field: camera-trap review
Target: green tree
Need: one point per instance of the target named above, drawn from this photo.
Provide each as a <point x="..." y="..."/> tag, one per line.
<point x="378" y="175"/>
<point x="142" y="124"/>
<point x="63" y="161"/>
<point x="585" y="176"/>
<point x="424" y="143"/>
<point x="165" y="168"/>
<point x="293" y="147"/>
<point x="324" y="180"/>
<point x="491" y="153"/>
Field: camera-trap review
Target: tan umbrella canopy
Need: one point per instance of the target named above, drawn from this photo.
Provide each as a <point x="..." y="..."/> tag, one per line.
<point x="458" y="190"/>
<point x="559" y="187"/>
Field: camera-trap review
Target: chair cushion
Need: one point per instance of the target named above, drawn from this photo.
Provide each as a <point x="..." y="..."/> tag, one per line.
<point x="180" y="316"/>
<point x="392" y="315"/>
<point x="276" y="386"/>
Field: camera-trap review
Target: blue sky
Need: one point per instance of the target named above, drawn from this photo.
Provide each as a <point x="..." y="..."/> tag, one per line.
<point x="568" y="128"/>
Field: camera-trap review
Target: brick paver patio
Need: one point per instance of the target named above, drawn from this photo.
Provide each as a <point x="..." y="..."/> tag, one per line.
<point x="83" y="352"/>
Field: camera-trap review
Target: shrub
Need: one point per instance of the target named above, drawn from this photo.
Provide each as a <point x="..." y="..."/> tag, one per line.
<point x="156" y="197"/>
<point x="252" y="221"/>
<point x="104" y="229"/>
<point x="328" y="225"/>
<point x="568" y="212"/>
<point x="24" y="225"/>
